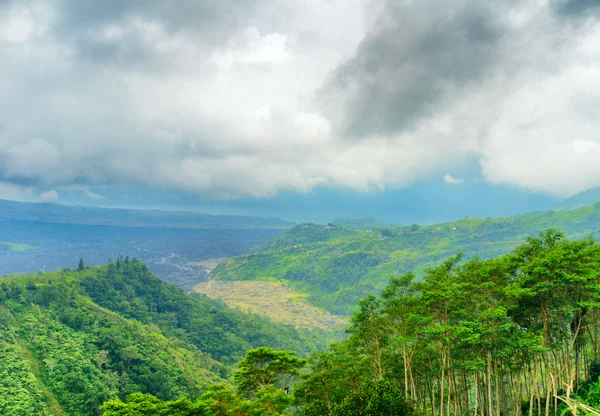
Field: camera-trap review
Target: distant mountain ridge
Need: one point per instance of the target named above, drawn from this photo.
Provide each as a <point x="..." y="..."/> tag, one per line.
<point x="336" y="266"/>
<point x="581" y="199"/>
<point x="364" y="223"/>
<point x="50" y="212"/>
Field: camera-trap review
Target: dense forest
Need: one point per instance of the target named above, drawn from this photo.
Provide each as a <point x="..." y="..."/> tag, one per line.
<point x="514" y="335"/>
<point x="517" y="334"/>
<point x="339" y="265"/>
<point x="72" y="339"/>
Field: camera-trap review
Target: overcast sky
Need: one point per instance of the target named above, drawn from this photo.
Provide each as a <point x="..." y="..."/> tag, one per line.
<point x="239" y="99"/>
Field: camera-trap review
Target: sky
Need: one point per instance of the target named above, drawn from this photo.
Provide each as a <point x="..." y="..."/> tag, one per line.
<point x="409" y="111"/>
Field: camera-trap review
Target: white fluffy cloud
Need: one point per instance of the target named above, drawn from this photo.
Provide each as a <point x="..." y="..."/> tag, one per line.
<point x="251" y="98"/>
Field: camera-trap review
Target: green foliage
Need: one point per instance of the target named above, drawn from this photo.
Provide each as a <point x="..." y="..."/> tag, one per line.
<point x="378" y="398"/>
<point x="337" y="266"/>
<point x="263" y="367"/>
<point x="475" y="336"/>
<point x="496" y="336"/>
<point x="139" y="404"/>
<point x="21" y="394"/>
<point x="127" y="287"/>
<point x="218" y="400"/>
<point x="72" y="340"/>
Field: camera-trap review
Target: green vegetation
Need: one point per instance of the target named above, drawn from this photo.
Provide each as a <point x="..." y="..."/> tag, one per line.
<point x="260" y="391"/>
<point x="264" y="367"/>
<point x="337" y="266"/>
<point x="71" y="340"/>
<point x="5" y="246"/>
<point x="518" y="334"/>
<point x="513" y="335"/>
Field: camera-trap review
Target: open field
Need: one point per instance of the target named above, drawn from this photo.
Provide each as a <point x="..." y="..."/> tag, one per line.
<point x="274" y="300"/>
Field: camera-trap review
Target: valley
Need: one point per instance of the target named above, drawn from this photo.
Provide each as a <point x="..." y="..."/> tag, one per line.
<point x="176" y="255"/>
<point x="357" y="303"/>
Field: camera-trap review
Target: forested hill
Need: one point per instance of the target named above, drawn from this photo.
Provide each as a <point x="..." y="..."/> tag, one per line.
<point x="70" y="340"/>
<point x="514" y="335"/>
<point x="48" y="212"/>
<point x="339" y="265"/>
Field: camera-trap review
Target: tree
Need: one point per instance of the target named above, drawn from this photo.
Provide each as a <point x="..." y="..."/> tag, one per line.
<point x="263" y="367"/>
<point x="368" y="332"/>
<point x="378" y="398"/>
<point x="81" y="266"/>
<point x="140" y="404"/>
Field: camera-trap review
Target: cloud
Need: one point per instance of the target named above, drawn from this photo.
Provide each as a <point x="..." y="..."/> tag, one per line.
<point x="246" y="98"/>
<point x="514" y="84"/>
<point x="577" y="8"/>
<point x="417" y="57"/>
<point x="93" y="195"/>
<point x="49" y="195"/>
<point x="14" y="192"/>
<point x="451" y="179"/>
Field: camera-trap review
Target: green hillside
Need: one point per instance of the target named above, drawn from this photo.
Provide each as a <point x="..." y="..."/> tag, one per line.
<point x="517" y="334"/>
<point x="71" y="340"/>
<point x="581" y="199"/>
<point x="338" y="265"/>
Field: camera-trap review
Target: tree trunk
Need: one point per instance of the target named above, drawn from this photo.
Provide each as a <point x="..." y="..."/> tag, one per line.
<point x="489" y="383"/>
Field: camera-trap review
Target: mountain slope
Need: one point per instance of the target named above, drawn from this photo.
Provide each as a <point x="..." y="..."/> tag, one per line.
<point x="48" y="212"/>
<point x="581" y="199"/>
<point x="337" y="266"/>
<point x="71" y="340"/>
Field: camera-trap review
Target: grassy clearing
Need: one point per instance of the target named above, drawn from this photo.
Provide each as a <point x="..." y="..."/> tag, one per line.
<point x="274" y="300"/>
<point x="15" y="246"/>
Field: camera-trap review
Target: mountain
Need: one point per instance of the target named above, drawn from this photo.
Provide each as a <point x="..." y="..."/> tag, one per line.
<point x="581" y="199"/>
<point x="364" y="223"/>
<point x="70" y="340"/>
<point x="47" y="212"/>
<point x="336" y="266"/>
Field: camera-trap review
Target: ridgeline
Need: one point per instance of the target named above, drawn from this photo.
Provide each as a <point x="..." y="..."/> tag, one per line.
<point x="336" y="266"/>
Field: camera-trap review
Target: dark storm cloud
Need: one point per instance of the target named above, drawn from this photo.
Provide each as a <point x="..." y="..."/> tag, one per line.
<point x="204" y="23"/>
<point x="187" y="15"/>
<point x="579" y="8"/>
<point x="413" y="55"/>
